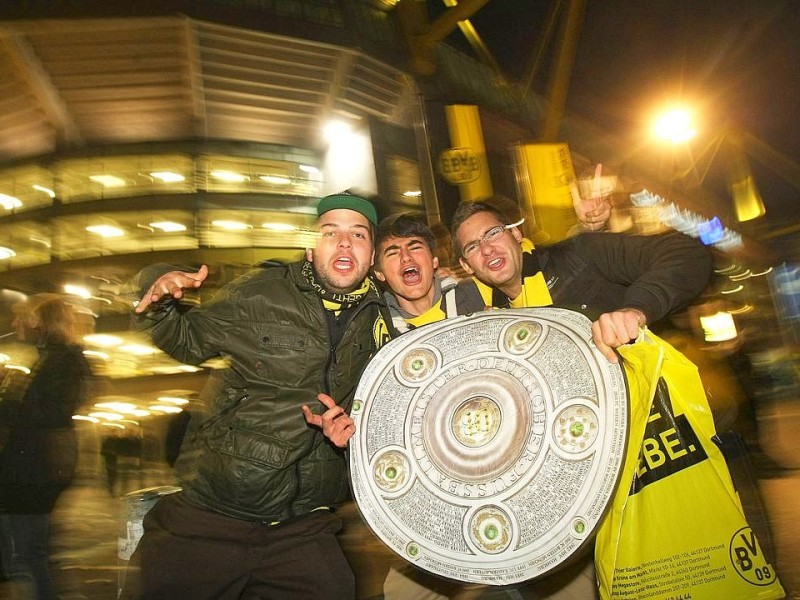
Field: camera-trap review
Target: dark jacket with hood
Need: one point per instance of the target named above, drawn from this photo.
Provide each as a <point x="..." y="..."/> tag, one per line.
<point x="252" y="455"/>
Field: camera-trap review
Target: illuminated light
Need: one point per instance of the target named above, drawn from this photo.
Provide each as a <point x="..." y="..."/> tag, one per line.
<point x="76" y="290"/>
<point x="747" y="200"/>
<point x="85" y="418"/>
<point x="105" y="230"/>
<point x="173" y="400"/>
<point x="9" y="202"/>
<point x="41" y="188"/>
<point x="675" y="126"/>
<point x="741" y="276"/>
<point x="309" y="169"/>
<point x="742" y="310"/>
<point x="137" y="349"/>
<point x="140" y="412"/>
<point x="412" y="194"/>
<point x="96" y="354"/>
<point x="165" y="369"/>
<point x="109" y="181"/>
<point x="685" y="221"/>
<point x="114" y="425"/>
<point x="168" y="176"/>
<point x="335" y="130"/>
<point x="726" y="269"/>
<point x="279" y="226"/>
<point x="718" y="327"/>
<point x="4" y="357"/>
<point x="229" y="176"/>
<point x="120" y="407"/>
<point x="165" y="409"/>
<point x="103" y="340"/>
<point x="711" y="232"/>
<point x="275" y="179"/>
<point x="106" y="416"/>
<point x="25" y="370"/>
<point x="230" y="225"/>
<point x="764" y="272"/>
<point x="6" y="253"/>
<point x="168" y="226"/>
<point x="733" y="291"/>
<point x="172" y="369"/>
<point x="42" y="241"/>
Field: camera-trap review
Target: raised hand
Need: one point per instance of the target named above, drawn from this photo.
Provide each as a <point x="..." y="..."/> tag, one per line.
<point x="171" y="284"/>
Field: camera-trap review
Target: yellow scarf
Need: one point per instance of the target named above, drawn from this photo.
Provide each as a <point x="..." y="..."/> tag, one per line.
<point x="434" y="314"/>
<point x="534" y="287"/>
<point x="334" y="301"/>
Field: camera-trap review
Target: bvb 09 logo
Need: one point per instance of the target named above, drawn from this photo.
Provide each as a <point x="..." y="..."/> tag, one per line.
<point x="748" y="560"/>
<point x="459" y="166"/>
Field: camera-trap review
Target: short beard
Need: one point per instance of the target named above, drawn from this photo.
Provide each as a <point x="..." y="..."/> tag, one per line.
<point x="326" y="280"/>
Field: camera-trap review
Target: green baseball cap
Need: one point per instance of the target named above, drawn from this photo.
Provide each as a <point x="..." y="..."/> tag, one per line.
<point x="350" y="202"/>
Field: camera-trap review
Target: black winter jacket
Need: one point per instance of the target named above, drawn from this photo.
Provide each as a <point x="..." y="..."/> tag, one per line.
<point x="37" y="435"/>
<point x="596" y="273"/>
<point x="252" y="455"/>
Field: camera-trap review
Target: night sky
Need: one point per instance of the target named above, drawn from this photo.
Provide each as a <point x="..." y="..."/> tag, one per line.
<point x="737" y="62"/>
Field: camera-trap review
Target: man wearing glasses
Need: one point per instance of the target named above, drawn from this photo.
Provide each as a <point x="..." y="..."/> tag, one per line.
<point x="623" y="282"/>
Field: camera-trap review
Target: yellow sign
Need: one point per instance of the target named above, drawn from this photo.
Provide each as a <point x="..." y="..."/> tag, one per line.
<point x="459" y="166"/>
<point x="545" y="173"/>
<point x="465" y="163"/>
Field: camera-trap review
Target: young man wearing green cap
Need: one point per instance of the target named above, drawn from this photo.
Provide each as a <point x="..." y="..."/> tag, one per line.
<point x="262" y="469"/>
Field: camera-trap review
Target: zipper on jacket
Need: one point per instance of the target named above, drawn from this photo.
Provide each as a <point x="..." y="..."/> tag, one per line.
<point x="334" y="344"/>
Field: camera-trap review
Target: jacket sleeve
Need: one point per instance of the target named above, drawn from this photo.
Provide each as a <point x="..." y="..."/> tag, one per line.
<point x="189" y="334"/>
<point x="662" y="273"/>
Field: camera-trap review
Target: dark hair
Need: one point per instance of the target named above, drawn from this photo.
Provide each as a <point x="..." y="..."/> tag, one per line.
<point x="404" y="225"/>
<point x="464" y="211"/>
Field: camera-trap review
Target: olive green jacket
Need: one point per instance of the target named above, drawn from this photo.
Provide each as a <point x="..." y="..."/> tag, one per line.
<point x="252" y="455"/>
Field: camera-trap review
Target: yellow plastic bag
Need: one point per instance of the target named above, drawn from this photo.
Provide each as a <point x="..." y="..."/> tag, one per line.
<point x="676" y="529"/>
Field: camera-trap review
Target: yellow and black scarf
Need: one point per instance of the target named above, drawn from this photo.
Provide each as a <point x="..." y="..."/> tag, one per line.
<point x="534" y="287"/>
<point x="335" y="301"/>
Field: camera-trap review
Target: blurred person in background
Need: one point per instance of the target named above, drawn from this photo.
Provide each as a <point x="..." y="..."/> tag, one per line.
<point x="38" y="440"/>
<point x="591" y="196"/>
<point x="108" y="450"/>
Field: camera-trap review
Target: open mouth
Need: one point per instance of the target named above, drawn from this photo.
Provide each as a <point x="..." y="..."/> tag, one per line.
<point x="411" y="276"/>
<point x="495" y="263"/>
<point x="343" y="263"/>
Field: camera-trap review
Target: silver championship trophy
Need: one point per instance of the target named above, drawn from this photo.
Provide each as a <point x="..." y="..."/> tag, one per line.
<point x="487" y="447"/>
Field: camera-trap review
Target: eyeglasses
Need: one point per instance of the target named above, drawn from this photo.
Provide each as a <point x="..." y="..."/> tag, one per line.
<point x="490" y="236"/>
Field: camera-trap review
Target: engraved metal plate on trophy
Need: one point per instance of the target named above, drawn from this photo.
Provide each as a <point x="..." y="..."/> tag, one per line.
<point x="487" y="447"/>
